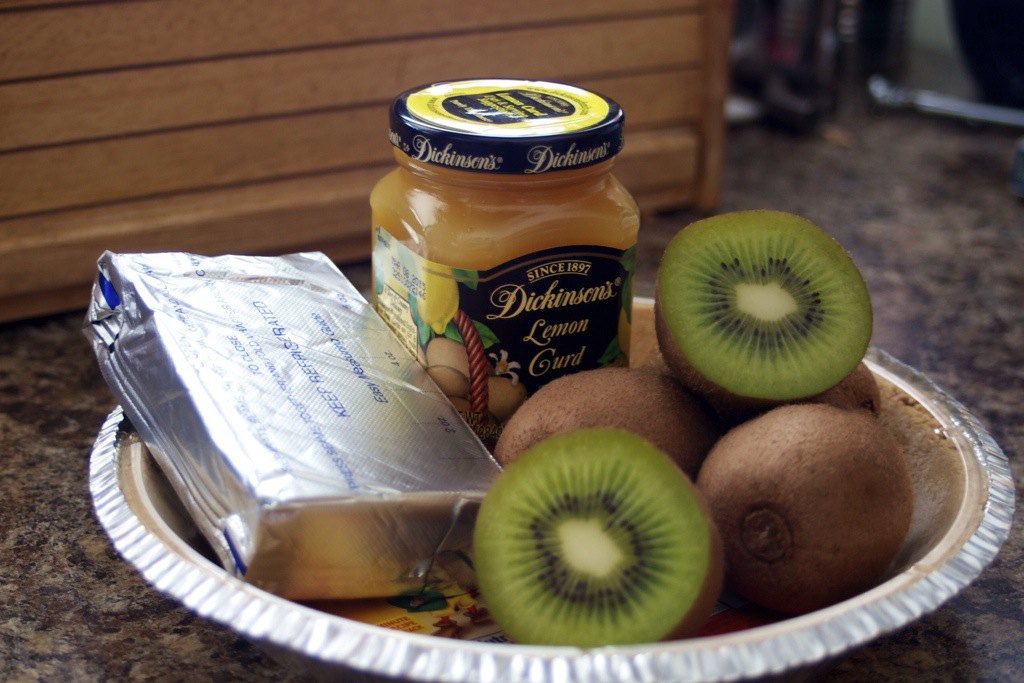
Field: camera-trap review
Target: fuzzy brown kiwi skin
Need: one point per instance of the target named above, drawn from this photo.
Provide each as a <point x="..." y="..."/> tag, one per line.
<point x="653" y="406"/>
<point x="813" y="503"/>
<point x="857" y="391"/>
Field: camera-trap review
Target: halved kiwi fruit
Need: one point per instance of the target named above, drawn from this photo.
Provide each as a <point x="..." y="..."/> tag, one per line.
<point x="595" y="537"/>
<point x="760" y="304"/>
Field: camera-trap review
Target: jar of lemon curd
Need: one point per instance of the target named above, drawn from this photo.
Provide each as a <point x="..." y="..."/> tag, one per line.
<point x="503" y="245"/>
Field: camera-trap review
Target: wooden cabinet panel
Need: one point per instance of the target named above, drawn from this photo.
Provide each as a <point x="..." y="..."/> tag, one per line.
<point x="181" y="159"/>
<point x="53" y="252"/>
<point x="259" y="126"/>
<point x="62" y="38"/>
<point x="118" y="103"/>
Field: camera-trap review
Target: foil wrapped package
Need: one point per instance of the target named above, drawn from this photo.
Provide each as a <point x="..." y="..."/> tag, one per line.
<point x="310" y="448"/>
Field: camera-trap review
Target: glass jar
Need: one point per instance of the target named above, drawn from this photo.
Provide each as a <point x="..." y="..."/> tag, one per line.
<point x="503" y="245"/>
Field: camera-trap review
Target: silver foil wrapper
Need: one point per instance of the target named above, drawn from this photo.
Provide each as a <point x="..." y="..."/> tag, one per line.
<point x="310" y="448"/>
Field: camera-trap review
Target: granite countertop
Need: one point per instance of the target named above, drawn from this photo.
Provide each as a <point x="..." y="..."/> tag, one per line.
<point x="924" y="207"/>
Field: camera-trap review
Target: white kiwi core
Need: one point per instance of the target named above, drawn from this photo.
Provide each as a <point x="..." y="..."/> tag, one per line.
<point x="768" y="302"/>
<point x="587" y="547"/>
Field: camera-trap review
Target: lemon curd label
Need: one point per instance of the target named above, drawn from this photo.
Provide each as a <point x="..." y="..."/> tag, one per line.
<point x="491" y="338"/>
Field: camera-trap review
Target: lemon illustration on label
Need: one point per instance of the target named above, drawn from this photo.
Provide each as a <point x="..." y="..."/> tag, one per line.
<point x="440" y="300"/>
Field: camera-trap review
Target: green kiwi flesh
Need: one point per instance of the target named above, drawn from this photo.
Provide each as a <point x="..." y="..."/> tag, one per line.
<point x="813" y="503"/>
<point x="653" y="405"/>
<point x="594" y="537"/>
<point x="760" y="304"/>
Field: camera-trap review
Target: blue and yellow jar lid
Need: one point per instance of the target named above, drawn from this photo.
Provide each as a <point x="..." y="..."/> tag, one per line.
<point x="499" y="125"/>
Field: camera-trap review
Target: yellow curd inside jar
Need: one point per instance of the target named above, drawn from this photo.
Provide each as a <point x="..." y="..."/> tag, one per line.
<point x="474" y="221"/>
<point x="504" y="247"/>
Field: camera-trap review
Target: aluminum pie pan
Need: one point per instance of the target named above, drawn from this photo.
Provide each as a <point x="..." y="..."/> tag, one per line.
<point x="326" y="643"/>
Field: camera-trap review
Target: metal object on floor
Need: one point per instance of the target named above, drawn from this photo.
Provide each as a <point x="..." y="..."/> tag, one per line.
<point x="890" y="96"/>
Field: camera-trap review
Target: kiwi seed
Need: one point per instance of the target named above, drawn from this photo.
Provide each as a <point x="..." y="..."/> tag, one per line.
<point x="595" y="537"/>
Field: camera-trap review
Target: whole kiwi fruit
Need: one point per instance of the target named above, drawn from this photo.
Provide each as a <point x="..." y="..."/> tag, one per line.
<point x="762" y="305"/>
<point x="813" y="503"/>
<point x="594" y="537"/>
<point x="652" y="405"/>
<point x="857" y="391"/>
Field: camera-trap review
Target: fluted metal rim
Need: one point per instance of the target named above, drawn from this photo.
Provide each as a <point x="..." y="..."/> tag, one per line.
<point x="332" y="641"/>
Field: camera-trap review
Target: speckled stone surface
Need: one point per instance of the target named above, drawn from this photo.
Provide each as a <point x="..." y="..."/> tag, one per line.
<point x="922" y="205"/>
